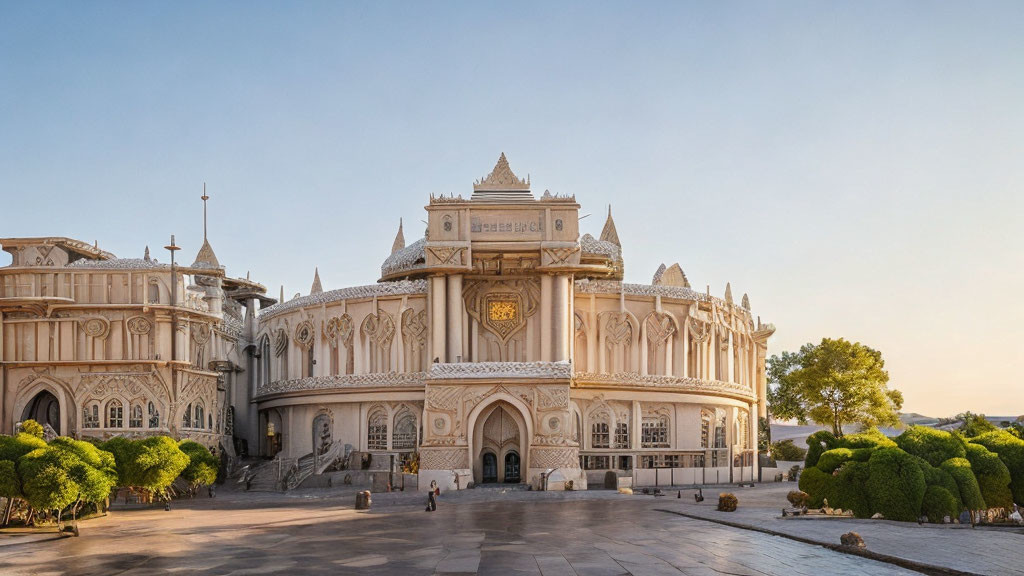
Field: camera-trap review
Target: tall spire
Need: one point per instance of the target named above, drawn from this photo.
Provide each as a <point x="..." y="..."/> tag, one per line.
<point x="728" y="292"/>
<point x="204" y="198"/>
<point x="609" y="234"/>
<point x="205" y="258"/>
<point x="317" y="288"/>
<point x="399" y="239"/>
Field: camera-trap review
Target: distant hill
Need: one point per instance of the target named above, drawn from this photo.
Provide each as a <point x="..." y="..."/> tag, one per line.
<point x="798" y="434"/>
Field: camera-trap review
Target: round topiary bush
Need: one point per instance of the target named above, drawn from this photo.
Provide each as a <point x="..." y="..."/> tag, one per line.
<point x="935" y="446"/>
<point x="727" y="502"/>
<point x="895" y="484"/>
<point x="993" y="476"/>
<point x="1011" y="451"/>
<point x="939" y="503"/>
<point x="970" y="493"/>
<point x="938" y="477"/>
<point x="870" y="438"/>
<point x="850" y="490"/>
<point x="818" y="486"/>
<point x="830" y="460"/>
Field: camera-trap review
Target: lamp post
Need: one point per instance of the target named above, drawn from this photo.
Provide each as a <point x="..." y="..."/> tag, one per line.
<point x="172" y="248"/>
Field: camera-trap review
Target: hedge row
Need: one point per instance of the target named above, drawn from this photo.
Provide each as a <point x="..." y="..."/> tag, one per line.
<point x="923" y="472"/>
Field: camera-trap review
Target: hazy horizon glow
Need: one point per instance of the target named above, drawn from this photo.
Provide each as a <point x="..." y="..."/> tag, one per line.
<point x="854" y="167"/>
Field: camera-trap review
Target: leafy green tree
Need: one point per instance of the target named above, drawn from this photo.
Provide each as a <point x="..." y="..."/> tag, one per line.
<point x="833" y="383"/>
<point x="149" y="465"/>
<point x="202" y="466"/>
<point x="66" y="474"/>
<point x="974" y="424"/>
<point x="10" y="488"/>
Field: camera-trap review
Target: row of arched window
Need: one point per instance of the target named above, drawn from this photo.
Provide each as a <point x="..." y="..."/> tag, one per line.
<point x="404" y="434"/>
<point x="113" y="415"/>
<point x="195" y="417"/>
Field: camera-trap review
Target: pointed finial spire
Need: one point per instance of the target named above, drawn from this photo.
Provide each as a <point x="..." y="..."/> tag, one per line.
<point x="317" y="288"/>
<point x="145" y="256"/>
<point x="204" y="198"/>
<point x="728" y="293"/>
<point x="281" y="300"/>
<point x="399" y="239"/>
<point x="745" y="302"/>
<point x="609" y="234"/>
<point x="247" y="275"/>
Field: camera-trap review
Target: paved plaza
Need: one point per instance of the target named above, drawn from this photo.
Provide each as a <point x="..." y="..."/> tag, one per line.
<point x="478" y="531"/>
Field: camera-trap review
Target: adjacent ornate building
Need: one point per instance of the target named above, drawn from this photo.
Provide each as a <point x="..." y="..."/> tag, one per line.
<point x="500" y="347"/>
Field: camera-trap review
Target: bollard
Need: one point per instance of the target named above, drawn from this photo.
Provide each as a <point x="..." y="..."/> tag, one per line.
<point x="363" y="500"/>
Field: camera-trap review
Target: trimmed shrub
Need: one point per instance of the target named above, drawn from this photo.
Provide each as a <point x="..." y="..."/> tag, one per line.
<point x="818" y="485"/>
<point x="787" y="451"/>
<point x="993" y="476"/>
<point x="870" y="438"/>
<point x="970" y="493"/>
<point x="1011" y="451"/>
<point x="817" y="444"/>
<point x="14" y="447"/>
<point x="939" y="503"/>
<point x="861" y="454"/>
<point x="938" y="477"/>
<point x="727" y="502"/>
<point x="32" y="428"/>
<point x="850" y="489"/>
<point x="935" y="446"/>
<point x="202" y="466"/>
<point x="895" y="485"/>
<point x="830" y="460"/>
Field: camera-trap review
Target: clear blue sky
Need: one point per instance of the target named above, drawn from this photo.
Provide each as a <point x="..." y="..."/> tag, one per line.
<point x="856" y="167"/>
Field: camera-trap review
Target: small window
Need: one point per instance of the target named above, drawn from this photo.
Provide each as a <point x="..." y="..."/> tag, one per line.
<point x="654" y="432"/>
<point x="599" y="435"/>
<point x="135" y="419"/>
<point x="115" y="414"/>
<point x="199" y="416"/>
<point x="91" y="416"/>
<point x="186" y="418"/>
<point x="377" y="431"/>
<point x="621" y="435"/>
<point x="154" y="416"/>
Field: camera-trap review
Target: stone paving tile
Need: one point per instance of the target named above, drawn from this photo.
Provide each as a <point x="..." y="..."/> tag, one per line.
<point x="548" y="534"/>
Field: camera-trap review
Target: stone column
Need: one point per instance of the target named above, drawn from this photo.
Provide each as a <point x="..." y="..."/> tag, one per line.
<point x="454" y="313"/>
<point x="437" y="319"/>
<point x="560" y="318"/>
<point x="545" y="318"/>
<point x="730" y="375"/>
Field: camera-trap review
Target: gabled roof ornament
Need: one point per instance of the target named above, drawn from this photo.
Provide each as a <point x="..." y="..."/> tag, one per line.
<point x="145" y="256"/>
<point x="317" y="287"/>
<point x="609" y="234"/>
<point x="205" y="258"/>
<point x="658" y="274"/>
<point x="502" y="185"/>
<point x="399" y="239"/>
<point x="671" y="276"/>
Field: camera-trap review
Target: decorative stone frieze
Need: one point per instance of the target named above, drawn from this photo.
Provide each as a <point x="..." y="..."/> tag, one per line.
<point x="398" y="288"/>
<point x="675" y="383"/>
<point x="475" y="370"/>
<point x="320" y="383"/>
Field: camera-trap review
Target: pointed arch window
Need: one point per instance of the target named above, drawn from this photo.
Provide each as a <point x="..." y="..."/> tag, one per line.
<point x="186" y="418"/>
<point x="154" y="415"/>
<point x="377" y="431"/>
<point x="91" y="416"/>
<point x="199" y="418"/>
<point x="115" y="414"/>
<point x="135" y="416"/>
<point x="404" y="436"/>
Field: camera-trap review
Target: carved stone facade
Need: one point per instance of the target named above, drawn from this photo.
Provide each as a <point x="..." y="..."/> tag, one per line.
<point x="501" y="346"/>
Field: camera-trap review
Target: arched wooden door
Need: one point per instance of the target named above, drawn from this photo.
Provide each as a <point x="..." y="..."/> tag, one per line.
<point x="490" y="471"/>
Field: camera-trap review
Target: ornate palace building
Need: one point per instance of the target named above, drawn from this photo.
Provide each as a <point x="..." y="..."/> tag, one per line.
<point x="500" y="347"/>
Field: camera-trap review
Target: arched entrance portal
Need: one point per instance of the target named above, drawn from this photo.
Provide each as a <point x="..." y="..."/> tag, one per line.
<point x="45" y="409"/>
<point x="498" y="441"/>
